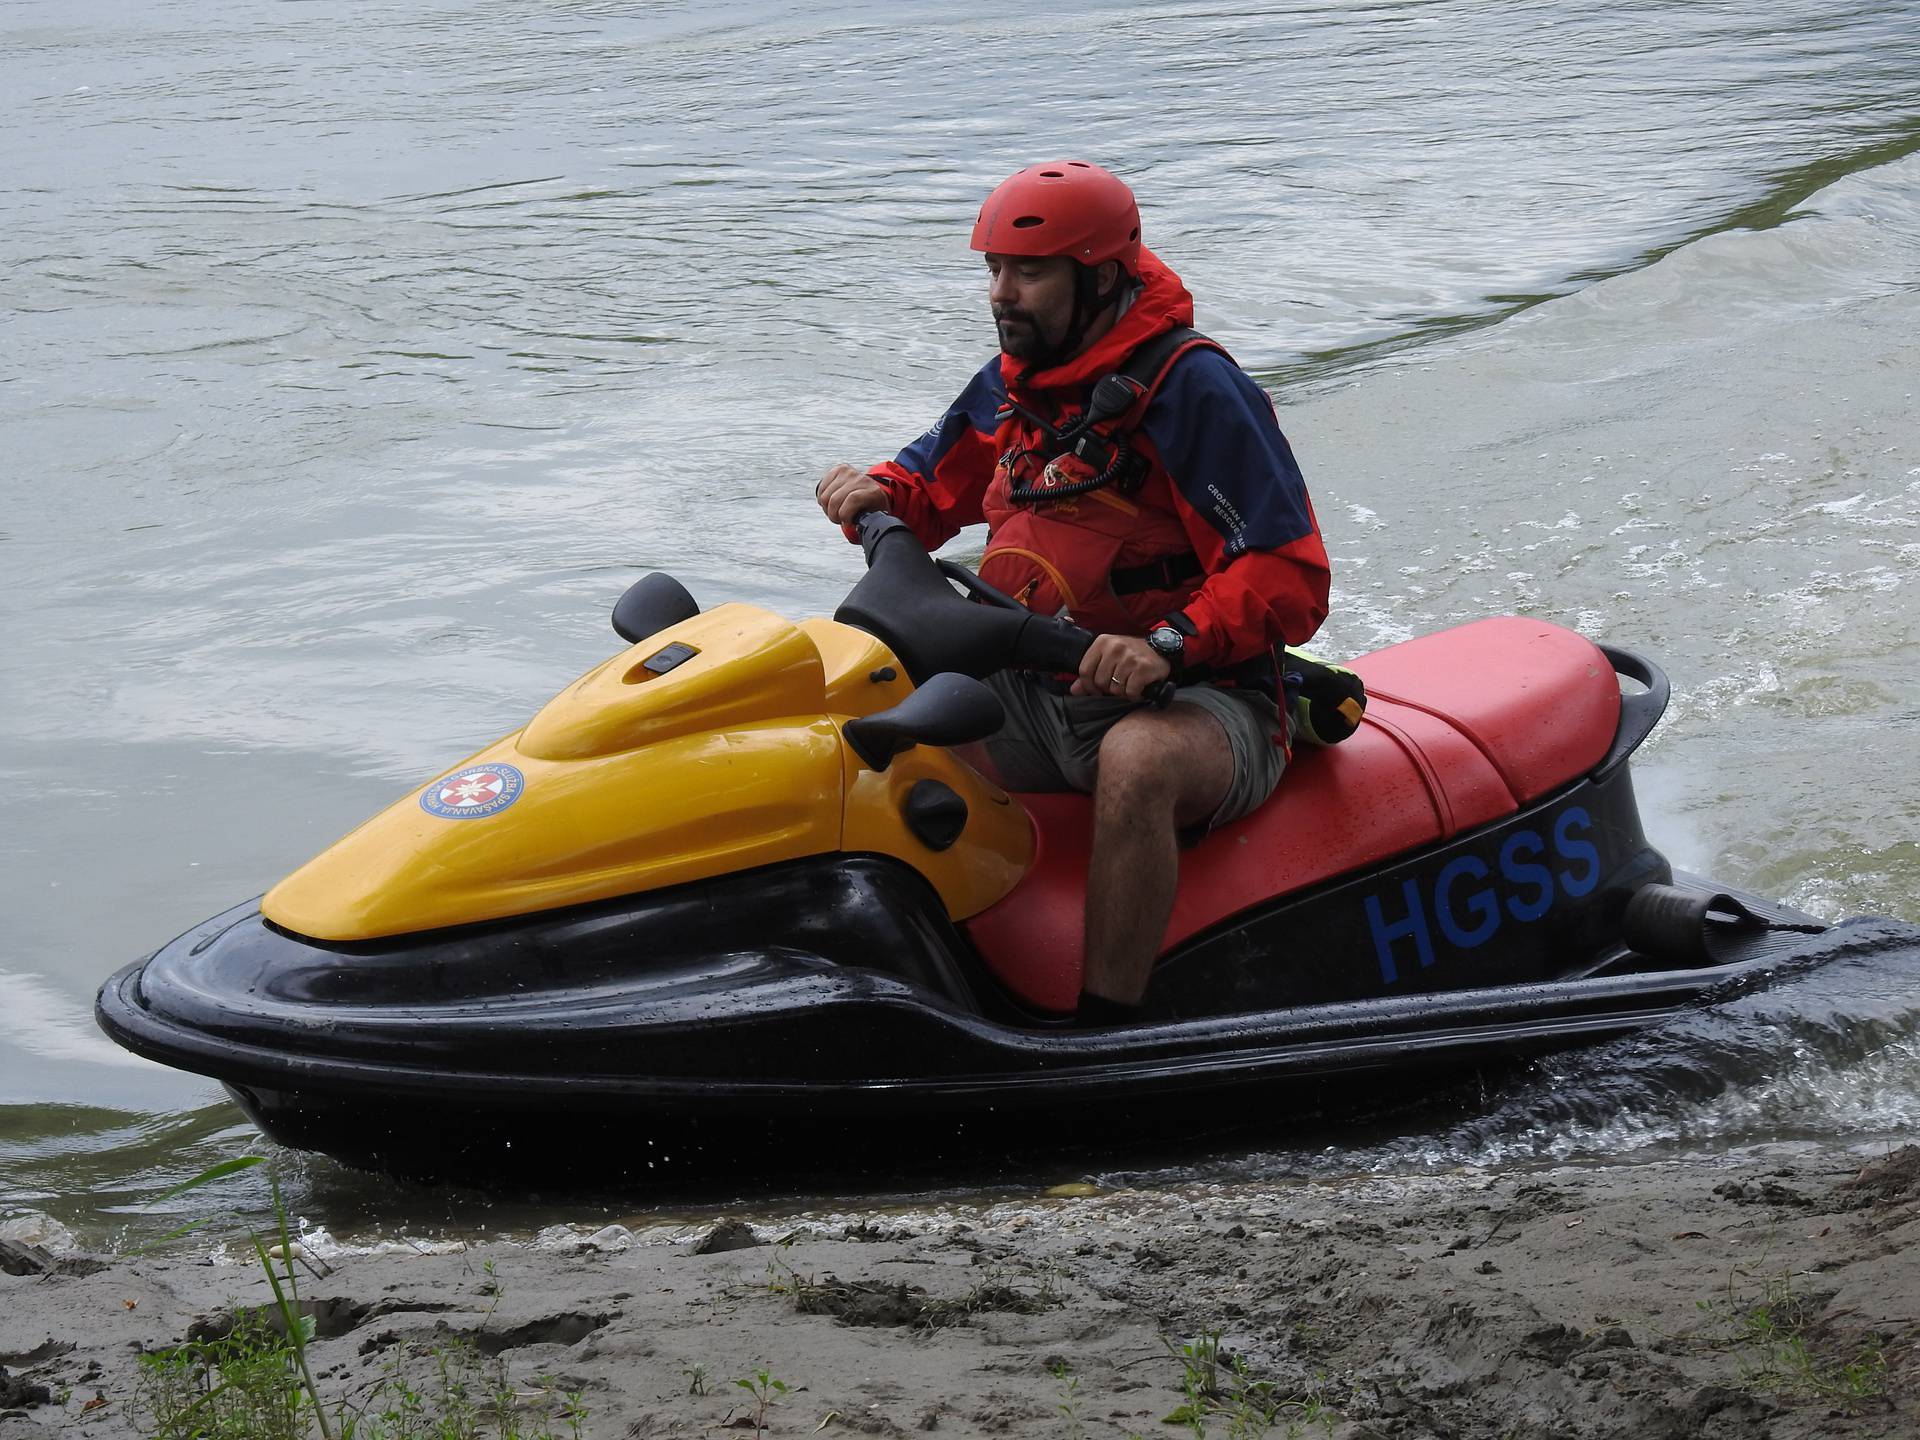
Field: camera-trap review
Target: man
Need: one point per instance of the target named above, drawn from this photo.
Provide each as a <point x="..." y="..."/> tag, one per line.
<point x="1176" y="527"/>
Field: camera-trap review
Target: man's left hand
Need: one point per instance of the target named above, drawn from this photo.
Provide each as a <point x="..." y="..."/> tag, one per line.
<point x="1122" y="666"/>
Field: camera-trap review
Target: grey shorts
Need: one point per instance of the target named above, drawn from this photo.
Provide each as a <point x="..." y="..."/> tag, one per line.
<point x="1052" y="741"/>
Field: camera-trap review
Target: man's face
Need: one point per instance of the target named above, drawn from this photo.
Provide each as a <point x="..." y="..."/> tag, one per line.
<point x="1032" y="301"/>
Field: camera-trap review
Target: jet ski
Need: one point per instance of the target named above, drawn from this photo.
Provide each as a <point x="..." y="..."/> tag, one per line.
<point x="738" y="872"/>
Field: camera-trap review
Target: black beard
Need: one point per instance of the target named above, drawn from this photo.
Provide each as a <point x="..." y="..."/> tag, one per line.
<point x="1028" y="343"/>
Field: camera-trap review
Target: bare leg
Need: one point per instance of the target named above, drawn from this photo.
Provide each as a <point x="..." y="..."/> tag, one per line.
<point x="1158" y="770"/>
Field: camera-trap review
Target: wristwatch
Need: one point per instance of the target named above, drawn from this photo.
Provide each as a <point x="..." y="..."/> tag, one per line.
<point x="1169" y="644"/>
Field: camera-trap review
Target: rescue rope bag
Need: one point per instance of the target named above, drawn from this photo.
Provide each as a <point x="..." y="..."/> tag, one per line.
<point x="1326" y="700"/>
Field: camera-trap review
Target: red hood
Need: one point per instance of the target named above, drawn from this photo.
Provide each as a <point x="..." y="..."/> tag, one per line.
<point x="1161" y="304"/>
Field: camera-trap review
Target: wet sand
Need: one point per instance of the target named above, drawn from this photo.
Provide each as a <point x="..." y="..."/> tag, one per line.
<point x="1775" y="1293"/>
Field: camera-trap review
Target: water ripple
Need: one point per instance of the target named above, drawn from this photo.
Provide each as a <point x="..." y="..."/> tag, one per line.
<point x="357" y="352"/>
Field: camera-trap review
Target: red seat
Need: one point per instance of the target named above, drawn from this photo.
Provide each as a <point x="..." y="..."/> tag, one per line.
<point x="1461" y="728"/>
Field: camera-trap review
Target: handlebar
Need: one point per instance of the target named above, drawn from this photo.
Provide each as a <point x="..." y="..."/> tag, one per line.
<point x="907" y="601"/>
<point x="1159" y="694"/>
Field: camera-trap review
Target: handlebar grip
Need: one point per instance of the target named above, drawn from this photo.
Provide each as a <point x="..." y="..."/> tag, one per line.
<point x="1069" y="643"/>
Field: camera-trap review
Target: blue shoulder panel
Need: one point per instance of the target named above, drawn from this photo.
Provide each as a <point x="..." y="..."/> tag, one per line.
<point x="977" y="408"/>
<point x="1217" y="435"/>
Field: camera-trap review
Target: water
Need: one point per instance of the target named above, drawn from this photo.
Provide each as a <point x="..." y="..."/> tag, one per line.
<point x="355" y="355"/>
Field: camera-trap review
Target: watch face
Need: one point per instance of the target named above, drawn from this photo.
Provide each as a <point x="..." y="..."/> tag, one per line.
<point x="1167" y="641"/>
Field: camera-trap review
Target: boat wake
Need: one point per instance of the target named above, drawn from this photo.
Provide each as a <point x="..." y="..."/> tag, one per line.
<point x="1830" y="1052"/>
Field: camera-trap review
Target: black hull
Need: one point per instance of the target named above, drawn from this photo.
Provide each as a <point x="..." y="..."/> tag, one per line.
<point x="1158" y="1081"/>
<point x="833" y="995"/>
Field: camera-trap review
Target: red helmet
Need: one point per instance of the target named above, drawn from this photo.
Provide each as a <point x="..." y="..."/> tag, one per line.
<point x="1067" y="207"/>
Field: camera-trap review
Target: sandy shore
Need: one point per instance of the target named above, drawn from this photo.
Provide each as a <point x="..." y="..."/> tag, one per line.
<point x="1774" y="1294"/>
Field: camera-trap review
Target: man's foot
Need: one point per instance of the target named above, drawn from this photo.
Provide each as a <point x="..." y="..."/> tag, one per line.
<point x="1096" y="1012"/>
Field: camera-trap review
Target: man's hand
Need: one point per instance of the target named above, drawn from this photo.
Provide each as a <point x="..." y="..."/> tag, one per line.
<point x="1122" y="666"/>
<point x="845" y="494"/>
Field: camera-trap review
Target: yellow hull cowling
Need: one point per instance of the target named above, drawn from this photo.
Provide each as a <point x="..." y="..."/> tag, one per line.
<point x="633" y="779"/>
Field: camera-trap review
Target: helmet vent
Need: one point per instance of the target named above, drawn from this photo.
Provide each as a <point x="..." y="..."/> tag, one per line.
<point x="1053" y="174"/>
<point x="1027" y="222"/>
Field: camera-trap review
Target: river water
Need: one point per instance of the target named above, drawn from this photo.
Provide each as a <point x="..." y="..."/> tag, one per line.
<point x="356" y="355"/>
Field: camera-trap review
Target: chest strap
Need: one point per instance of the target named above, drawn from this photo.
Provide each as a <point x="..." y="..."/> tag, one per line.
<point x="1148" y="363"/>
<point x="1100" y="436"/>
<point x="1167" y="574"/>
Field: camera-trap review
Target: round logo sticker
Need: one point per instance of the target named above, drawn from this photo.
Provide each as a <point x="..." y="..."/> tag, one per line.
<point x="473" y="793"/>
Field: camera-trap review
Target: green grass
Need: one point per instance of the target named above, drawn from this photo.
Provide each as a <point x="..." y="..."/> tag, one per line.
<point x="463" y="1398"/>
<point x="766" y="1392"/>
<point x="255" y="1382"/>
<point x="245" y="1386"/>
<point x="1220" y="1392"/>
<point x="1772" y="1336"/>
<point x="1072" y="1405"/>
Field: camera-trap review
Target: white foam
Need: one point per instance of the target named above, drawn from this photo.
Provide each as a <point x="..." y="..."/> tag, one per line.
<point x="34" y="1227"/>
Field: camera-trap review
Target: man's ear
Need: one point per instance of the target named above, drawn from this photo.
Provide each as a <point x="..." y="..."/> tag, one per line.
<point x="1107" y="277"/>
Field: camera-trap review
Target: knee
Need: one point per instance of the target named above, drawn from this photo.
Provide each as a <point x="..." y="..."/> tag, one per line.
<point x="1136" y="768"/>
